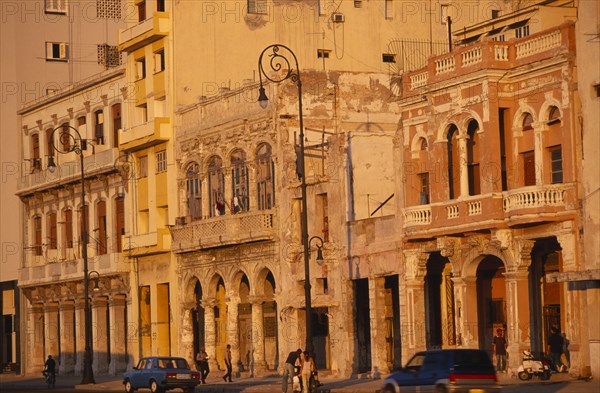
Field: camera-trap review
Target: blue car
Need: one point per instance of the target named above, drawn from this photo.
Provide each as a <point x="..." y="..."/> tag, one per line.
<point x="445" y="371"/>
<point x="161" y="373"/>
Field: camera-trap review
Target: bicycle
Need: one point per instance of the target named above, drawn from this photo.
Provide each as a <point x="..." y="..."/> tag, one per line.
<point x="50" y="379"/>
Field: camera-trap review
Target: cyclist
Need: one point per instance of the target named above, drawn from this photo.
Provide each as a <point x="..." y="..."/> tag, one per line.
<point x="50" y="370"/>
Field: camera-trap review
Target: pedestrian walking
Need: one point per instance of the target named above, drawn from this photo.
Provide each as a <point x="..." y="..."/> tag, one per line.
<point x="227" y="358"/>
<point x="499" y="350"/>
<point x="288" y="371"/>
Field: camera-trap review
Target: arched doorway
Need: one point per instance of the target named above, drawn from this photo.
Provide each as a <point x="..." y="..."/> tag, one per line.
<point x="439" y="303"/>
<point x="198" y="319"/>
<point x="546" y="297"/>
<point x="270" y="327"/>
<point x="245" y="324"/>
<point x="491" y="300"/>
<point x="220" y="312"/>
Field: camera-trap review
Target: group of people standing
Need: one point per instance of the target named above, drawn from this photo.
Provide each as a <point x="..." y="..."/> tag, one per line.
<point x="301" y="364"/>
<point x="557" y="350"/>
<point x="202" y="364"/>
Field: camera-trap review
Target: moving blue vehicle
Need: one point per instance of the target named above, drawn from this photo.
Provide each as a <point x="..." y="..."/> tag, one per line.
<point x="445" y="371"/>
<point x="161" y="373"/>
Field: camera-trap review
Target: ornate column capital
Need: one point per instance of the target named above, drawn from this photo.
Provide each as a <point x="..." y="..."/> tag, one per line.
<point x="415" y="264"/>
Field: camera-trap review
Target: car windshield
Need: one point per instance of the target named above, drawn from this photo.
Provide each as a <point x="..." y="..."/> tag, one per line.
<point x="415" y="363"/>
<point x="172" y="363"/>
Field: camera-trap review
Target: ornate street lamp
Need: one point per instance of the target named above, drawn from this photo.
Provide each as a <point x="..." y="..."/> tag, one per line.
<point x="70" y="140"/>
<point x="278" y="59"/>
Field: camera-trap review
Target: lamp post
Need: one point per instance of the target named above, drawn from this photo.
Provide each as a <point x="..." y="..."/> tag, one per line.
<point x="71" y="141"/>
<point x="278" y="59"/>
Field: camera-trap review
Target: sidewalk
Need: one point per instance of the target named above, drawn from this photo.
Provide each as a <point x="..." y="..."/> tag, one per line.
<point x="245" y="384"/>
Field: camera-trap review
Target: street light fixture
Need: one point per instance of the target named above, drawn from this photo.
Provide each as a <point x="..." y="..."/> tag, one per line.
<point x="96" y="280"/>
<point x="278" y="59"/>
<point x="71" y="142"/>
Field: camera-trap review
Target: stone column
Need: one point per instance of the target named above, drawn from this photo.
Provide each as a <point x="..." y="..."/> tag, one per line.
<point x="538" y="151"/>
<point x="51" y="330"/>
<point x="99" y="337"/>
<point x="377" y="325"/>
<point x="467" y="324"/>
<point x="186" y="328"/>
<point x="80" y="335"/>
<point x="463" y="165"/>
<point x="258" y="338"/>
<point x="412" y="303"/>
<point x="118" y="343"/>
<point x="35" y="339"/>
<point x="517" y="304"/>
<point x="67" y="337"/>
<point x="232" y="332"/>
<point x="209" y="331"/>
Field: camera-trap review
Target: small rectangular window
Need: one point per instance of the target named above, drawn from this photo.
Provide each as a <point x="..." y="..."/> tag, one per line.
<point x="495" y="14"/>
<point x="257" y="6"/>
<point x="388" y="57"/>
<point x="444" y="13"/>
<point x="141" y="8"/>
<point x="57" y="51"/>
<point x="161" y="161"/>
<point x="388" y="11"/>
<point x="140" y="68"/>
<point x="160" y="5"/>
<point x="556" y="164"/>
<point x="357" y="3"/>
<point x="143" y="166"/>
<point x="55" y="6"/>
<point x="159" y="61"/>
<point x="323" y="53"/>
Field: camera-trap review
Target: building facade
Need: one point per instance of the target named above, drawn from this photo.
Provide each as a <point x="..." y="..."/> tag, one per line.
<point x="78" y="125"/>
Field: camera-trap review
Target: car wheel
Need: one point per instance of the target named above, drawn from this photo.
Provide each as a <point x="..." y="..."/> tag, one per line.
<point x="154" y="388"/>
<point x="440" y="389"/>
<point x="388" y="389"/>
<point x="523" y="375"/>
<point x="129" y="387"/>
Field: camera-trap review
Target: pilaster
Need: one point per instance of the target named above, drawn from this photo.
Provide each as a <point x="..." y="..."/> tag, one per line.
<point x="67" y="337"/>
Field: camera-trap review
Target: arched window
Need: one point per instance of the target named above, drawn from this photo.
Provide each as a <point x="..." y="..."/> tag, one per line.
<point x="239" y="182"/>
<point x="453" y="162"/>
<point x="52" y="235"/>
<point x="68" y="218"/>
<point x="102" y="233"/>
<point x="36" y="162"/>
<point x="473" y="158"/>
<point x="49" y="142"/>
<point x="37" y="235"/>
<point x="119" y="222"/>
<point x="65" y="137"/>
<point x="216" y="186"/>
<point x="99" y="126"/>
<point x="116" y="119"/>
<point x="265" y="180"/>
<point x="193" y="191"/>
<point x="553" y="116"/>
<point x="527" y="122"/>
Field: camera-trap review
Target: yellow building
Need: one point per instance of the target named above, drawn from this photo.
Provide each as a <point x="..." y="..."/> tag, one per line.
<point x="146" y="142"/>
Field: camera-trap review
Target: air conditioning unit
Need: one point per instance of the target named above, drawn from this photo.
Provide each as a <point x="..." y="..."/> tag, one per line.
<point x="180" y="220"/>
<point x="338" y="17"/>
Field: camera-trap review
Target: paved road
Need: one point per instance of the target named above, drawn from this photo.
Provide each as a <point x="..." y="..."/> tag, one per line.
<point x="19" y="384"/>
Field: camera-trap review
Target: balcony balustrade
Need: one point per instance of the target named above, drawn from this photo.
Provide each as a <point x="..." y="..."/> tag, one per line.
<point x="69" y="171"/>
<point x="223" y="230"/>
<point x="507" y="206"/>
<point x="487" y="54"/>
<point x="39" y="270"/>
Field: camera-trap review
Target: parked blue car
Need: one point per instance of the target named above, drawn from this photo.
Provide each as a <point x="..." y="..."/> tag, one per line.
<point x="445" y="371"/>
<point x="161" y="373"/>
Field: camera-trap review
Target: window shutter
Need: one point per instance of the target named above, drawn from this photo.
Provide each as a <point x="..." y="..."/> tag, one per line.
<point x="64" y="51"/>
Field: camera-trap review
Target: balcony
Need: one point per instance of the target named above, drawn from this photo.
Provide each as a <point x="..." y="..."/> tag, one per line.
<point x="487" y="54"/>
<point x="223" y="231"/>
<point x="153" y="132"/>
<point x="515" y="207"/>
<point x="147" y="243"/>
<point x="68" y="172"/>
<point x="40" y="271"/>
<point x="145" y="32"/>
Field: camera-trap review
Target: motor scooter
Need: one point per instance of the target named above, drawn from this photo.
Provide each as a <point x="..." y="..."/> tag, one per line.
<point x="531" y="366"/>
